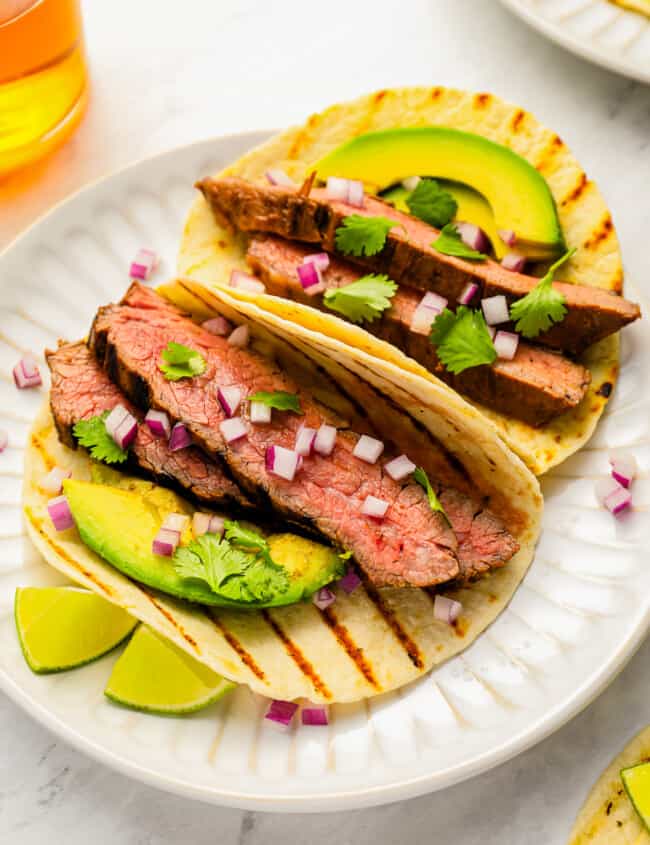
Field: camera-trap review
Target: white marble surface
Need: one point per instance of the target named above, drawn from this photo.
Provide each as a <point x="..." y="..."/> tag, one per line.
<point x="169" y="73"/>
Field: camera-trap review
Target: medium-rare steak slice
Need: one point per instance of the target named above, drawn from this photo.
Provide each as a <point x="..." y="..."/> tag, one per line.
<point x="535" y="386"/>
<point x="408" y="257"/>
<point x="81" y="389"/>
<point x="412" y="546"/>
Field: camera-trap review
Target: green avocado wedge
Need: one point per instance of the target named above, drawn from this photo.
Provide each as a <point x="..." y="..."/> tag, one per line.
<point x="636" y="780"/>
<point x="518" y="195"/>
<point x="119" y="525"/>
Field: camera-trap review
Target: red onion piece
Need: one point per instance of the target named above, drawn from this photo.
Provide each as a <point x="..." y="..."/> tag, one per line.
<point x="165" y="542"/>
<point x="411" y="183"/>
<point x="179" y="438"/>
<point x="505" y="345"/>
<point x="433" y="301"/>
<point x="604" y="487"/>
<point x="305" y="438"/>
<point x="242" y="281"/>
<point x="468" y="293"/>
<point x="240" y="336"/>
<point x="314" y="716"/>
<point x="158" y="423"/>
<point x="618" y="501"/>
<point x="374" y="507"/>
<point x="350" y="581"/>
<point x="60" y="513"/>
<point x="337" y="189"/>
<point x="53" y="481"/>
<point x="323" y="598"/>
<point x="514" y="262"/>
<point x="260" y="413"/>
<point x="218" y="326"/>
<point x="280" y="713"/>
<point x="399" y="468"/>
<point x="422" y="320"/>
<point x="26" y="373"/>
<point x="495" y="309"/>
<point x="122" y="426"/>
<point x="229" y="399"/>
<point x="116" y="417"/>
<point x="624" y="468"/>
<point x="446" y="609"/>
<point x="282" y="462"/>
<point x="275" y="176"/>
<point x="309" y="275"/>
<point x="176" y="522"/>
<point x="233" y="429"/>
<point x="473" y="236"/>
<point x="144" y="264"/>
<point x="205" y="523"/>
<point x="325" y="440"/>
<point x="368" y="449"/>
<point x="320" y="259"/>
<point x="507" y="236"/>
<point x="4" y="440"/>
<point x="355" y="193"/>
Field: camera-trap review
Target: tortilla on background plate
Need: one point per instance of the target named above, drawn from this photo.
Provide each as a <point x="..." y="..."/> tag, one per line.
<point x="381" y="639"/>
<point x="209" y="252"/>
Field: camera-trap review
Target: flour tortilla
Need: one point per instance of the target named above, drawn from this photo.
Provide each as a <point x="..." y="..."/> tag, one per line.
<point x="608" y="817"/>
<point x="208" y="252"/>
<point x="382" y="641"/>
<point x="640" y="6"/>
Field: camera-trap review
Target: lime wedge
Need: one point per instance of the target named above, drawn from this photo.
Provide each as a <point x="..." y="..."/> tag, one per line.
<point x="62" y="627"/>
<point x="636" y="780"/>
<point x="156" y="676"/>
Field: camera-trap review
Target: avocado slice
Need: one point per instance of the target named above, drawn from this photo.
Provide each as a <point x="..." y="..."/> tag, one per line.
<point x="636" y="780"/>
<point x="119" y="524"/>
<point x="518" y="195"/>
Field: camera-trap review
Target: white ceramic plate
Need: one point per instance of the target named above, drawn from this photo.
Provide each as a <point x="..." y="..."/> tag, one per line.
<point x="597" y="30"/>
<point x="579" y="615"/>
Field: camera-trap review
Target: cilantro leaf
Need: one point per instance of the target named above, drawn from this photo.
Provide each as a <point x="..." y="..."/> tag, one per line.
<point x="423" y="480"/>
<point x="462" y="339"/>
<point x="93" y="435"/>
<point x="246" y="538"/>
<point x="449" y="242"/>
<point x="279" y="399"/>
<point x="181" y="362"/>
<point x="364" y="299"/>
<point x="430" y="203"/>
<point x="363" y="235"/>
<point x="345" y="555"/>
<point x="542" y="306"/>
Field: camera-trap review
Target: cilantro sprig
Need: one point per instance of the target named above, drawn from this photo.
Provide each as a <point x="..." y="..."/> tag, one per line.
<point x="279" y="399"/>
<point x="358" y="235"/>
<point x="462" y="339"/>
<point x="431" y="203"/>
<point x="423" y="480"/>
<point x="449" y="242"/>
<point x="181" y="362"/>
<point x="93" y="435"/>
<point x="365" y="299"/>
<point x="238" y="566"/>
<point x="542" y="306"/>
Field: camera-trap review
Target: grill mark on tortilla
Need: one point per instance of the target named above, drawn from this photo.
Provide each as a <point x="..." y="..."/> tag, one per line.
<point x="517" y="120"/>
<point x="246" y="658"/>
<point x="603" y="231"/>
<point x="170" y="618"/>
<point x="38" y="526"/>
<point x="353" y="651"/>
<point x="576" y="192"/>
<point x="37" y="443"/>
<point x="481" y="101"/>
<point x="390" y="617"/>
<point x="297" y="656"/>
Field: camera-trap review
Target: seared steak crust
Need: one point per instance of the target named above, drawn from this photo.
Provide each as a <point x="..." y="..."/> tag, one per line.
<point x="408" y="257"/>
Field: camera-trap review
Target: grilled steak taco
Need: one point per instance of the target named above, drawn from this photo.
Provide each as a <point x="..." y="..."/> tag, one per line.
<point x="293" y="459"/>
<point x="427" y="227"/>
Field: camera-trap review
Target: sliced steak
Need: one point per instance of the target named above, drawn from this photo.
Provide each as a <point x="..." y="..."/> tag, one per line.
<point x="408" y="257"/>
<point x="535" y="386"/>
<point x="411" y="546"/>
<point x="81" y="389"/>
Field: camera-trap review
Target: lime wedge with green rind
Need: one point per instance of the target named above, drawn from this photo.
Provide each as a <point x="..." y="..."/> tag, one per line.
<point x="61" y="628"/>
<point x="636" y="780"/>
<point x="156" y="676"/>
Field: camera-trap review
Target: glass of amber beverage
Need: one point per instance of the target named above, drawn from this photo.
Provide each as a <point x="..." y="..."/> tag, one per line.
<point x="43" y="79"/>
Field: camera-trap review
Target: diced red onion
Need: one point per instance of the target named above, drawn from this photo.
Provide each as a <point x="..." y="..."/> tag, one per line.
<point x="144" y="264"/>
<point x="368" y="449"/>
<point x="320" y="259"/>
<point x="179" y="438"/>
<point x="495" y="309"/>
<point x="507" y="236"/>
<point x="26" y="373"/>
<point x="473" y="236"/>
<point x="305" y="438"/>
<point x="275" y="176"/>
<point x="446" y="609"/>
<point x="4" y="440"/>
<point x="165" y="542"/>
<point x="505" y="345"/>
<point x="176" y="522"/>
<point x="612" y="495"/>
<point x="218" y="326"/>
<point x="325" y="440"/>
<point x="399" y="468"/>
<point x="205" y="523"/>
<point x="53" y="481"/>
<point x="309" y="275"/>
<point x="355" y="193"/>
<point x="433" y="301"/>
<point x="60" y="513"/>
<point x="624" y="468"/>
<point x="514" y="262"/>
<point x="233" y="429"/>
<point x="374" y="507"/>
<point x="346" y="190"/>
<point x="350" y="581"/>
<point x="260" y="413"/>
<point x="240" y="336"/>
<point x="605" y="487"/>
<point x="323" y="598"/>
<point x="422" y="320"/>
<point x="229" y="399"/>
<point x="242" y="281"/>
<point x="280" y="713"/>
<point x="411" y="182"/>
<point x="282" y="462"/>
<point x="122" y="426"/>
<point x="158" y="423"/>
<point x="314" y="716"/>
<point x="468" y="293"/>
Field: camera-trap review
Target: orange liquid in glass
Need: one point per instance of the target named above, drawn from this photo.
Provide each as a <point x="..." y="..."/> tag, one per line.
<point x="42" y="78"/>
